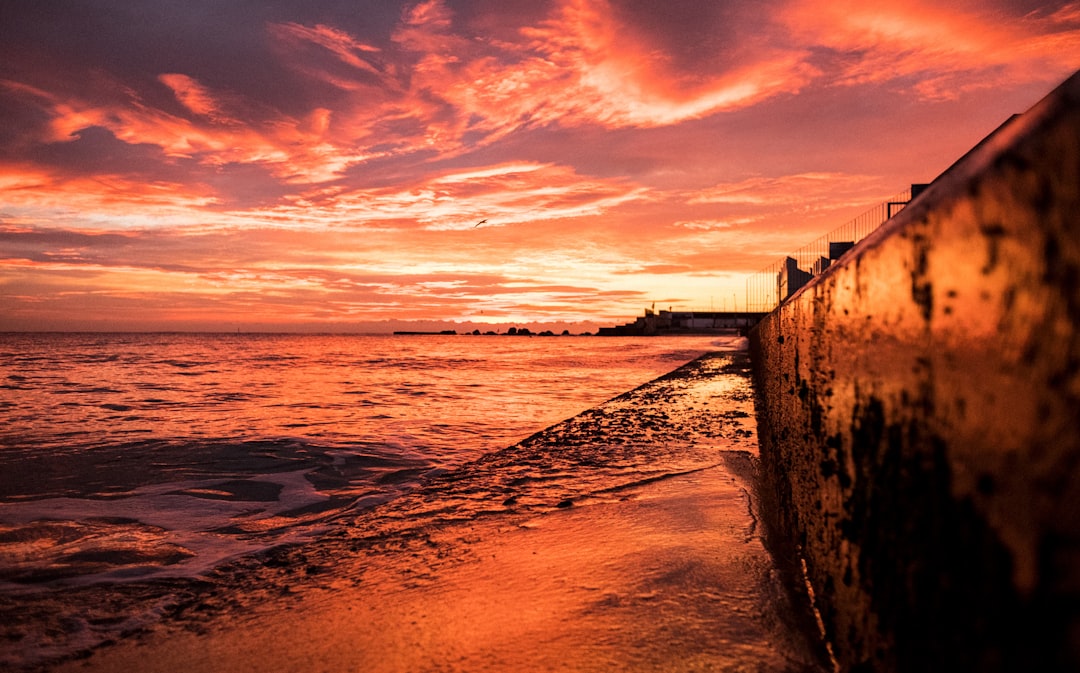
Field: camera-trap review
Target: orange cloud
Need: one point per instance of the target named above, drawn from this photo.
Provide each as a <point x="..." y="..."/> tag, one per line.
<point x="503" y="194"/>
<point x="296" y="150"/>
<point x="107" y="201"/>
<point x="629" y="81"/>
<point x="803" y="189"/>
<point x="581" y="66"/>
<point x="340" y="43"/>
<point x="941" y="44"/>
<point x="193" y="96"/>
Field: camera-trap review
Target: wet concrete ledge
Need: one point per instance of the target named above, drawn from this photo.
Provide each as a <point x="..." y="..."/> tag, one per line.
<point x="919" y="417"/>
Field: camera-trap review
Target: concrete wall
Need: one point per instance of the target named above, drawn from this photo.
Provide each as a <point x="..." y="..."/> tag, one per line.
<point x="919" y="416"/>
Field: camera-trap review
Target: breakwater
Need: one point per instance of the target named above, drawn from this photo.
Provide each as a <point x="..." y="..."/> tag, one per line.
<point x="919" y="417"/>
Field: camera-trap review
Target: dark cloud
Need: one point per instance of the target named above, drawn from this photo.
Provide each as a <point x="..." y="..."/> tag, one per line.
<point x="95" y="151"/>
<point x="241" y="186"/>
<point x="41" y="245"/>
<point x="20" y="123"/>
<point x="145" y="249"/>
<point x="222" y="44"/>
<point x="701" y="36"/>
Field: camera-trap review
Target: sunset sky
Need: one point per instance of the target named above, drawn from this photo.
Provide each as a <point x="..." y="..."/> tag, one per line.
<point x="323" y="165"/>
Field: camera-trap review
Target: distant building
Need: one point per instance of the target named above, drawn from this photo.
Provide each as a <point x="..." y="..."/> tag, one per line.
<point x="790" y="278"/>
<point x="820" y="265"/>
<point x="838" y="248"/>
<point x="685" y="322"/>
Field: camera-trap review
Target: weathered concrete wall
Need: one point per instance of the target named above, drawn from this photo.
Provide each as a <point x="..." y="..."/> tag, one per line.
<point x="919" y="415"/>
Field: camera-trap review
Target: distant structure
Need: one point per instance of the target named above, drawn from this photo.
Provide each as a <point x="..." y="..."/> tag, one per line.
<point x="773" y="285"/>
<point x="445" y="332"/>
<point x="791" y="278"/>
<point x="671" y="323"/>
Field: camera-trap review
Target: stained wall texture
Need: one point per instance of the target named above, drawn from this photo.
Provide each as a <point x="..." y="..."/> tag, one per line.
<point x="919" y="415"/>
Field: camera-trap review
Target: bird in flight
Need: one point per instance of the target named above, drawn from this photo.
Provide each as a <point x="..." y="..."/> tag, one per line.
<point x="479" y="223"/>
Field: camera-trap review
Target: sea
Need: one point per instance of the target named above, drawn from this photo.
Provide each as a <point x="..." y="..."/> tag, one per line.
<point x="136" y="458"/>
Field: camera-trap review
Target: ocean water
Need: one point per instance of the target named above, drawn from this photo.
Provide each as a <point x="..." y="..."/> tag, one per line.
<point x="141" y="457"/>
<point x="151" y="477"/>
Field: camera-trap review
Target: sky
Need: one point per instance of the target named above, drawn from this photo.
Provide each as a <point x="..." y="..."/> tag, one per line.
<point x="364" y="165"/>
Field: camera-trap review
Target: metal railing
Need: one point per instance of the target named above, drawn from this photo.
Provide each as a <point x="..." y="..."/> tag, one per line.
<point x="764" y="287"/>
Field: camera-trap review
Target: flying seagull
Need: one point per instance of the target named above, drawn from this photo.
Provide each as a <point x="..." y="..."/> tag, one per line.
<point x="479" y="223"/>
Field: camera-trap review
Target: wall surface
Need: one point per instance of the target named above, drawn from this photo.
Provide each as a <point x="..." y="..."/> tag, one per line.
<point x="919" y="415"/>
